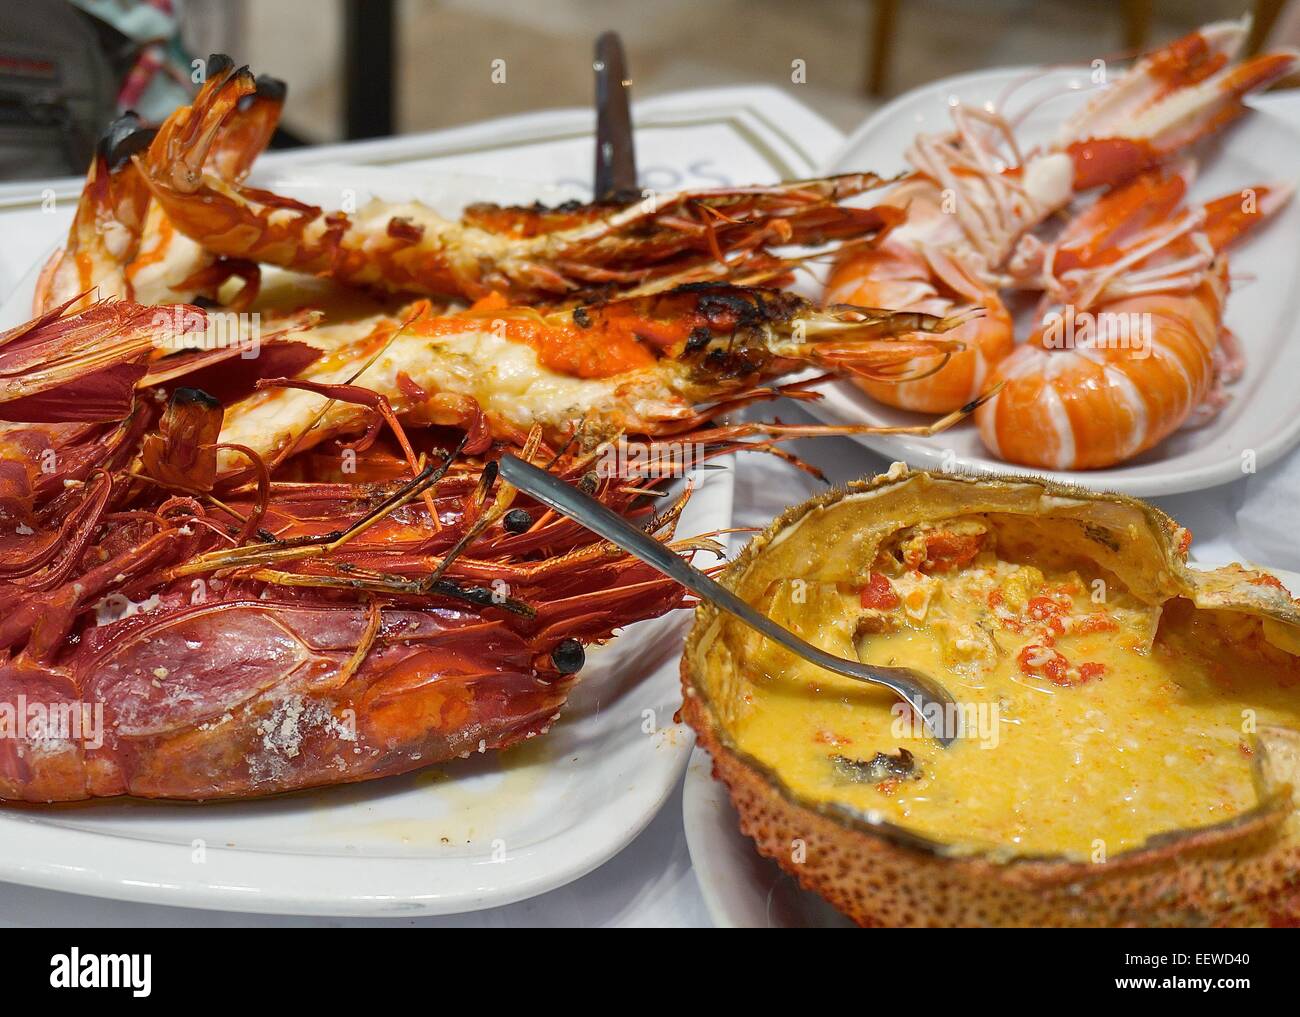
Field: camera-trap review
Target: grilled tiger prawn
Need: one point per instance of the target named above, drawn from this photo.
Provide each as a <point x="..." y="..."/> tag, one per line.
<point x="530" y="254"/>
<point x="655" y="366"/>
<point x="240" y="639"/>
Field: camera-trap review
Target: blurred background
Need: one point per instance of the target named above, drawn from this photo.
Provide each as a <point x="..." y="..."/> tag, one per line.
<point x="366" y="68"/>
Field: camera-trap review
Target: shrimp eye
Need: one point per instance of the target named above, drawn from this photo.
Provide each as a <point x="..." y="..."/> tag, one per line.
<point x="569" y="657"/>
<point x="698" y="339"/>
<point x="517" y="521"/>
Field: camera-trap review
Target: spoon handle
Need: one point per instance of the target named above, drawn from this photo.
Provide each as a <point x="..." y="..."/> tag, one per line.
<point x="568" y="500"/>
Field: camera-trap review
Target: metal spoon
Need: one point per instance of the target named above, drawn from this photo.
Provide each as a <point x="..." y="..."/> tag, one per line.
<point x="931" y="701"/>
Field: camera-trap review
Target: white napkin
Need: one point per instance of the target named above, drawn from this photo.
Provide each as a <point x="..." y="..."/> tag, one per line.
<point x="1268" y="521"/>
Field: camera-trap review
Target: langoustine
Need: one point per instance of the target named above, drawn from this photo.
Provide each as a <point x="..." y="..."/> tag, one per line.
<point x="974" y="198"/>
<point x="1129" y="342"/>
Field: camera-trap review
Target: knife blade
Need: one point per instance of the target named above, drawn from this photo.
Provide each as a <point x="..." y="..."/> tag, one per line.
<point x="615" y="175"/>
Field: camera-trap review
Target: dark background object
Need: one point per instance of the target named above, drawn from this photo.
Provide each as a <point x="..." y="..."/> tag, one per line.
<point x="57" y="89"/>
<point x="369" y="68"/>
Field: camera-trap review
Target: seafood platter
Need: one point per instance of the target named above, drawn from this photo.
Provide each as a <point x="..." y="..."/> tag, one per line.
<point x="257" y="538"/>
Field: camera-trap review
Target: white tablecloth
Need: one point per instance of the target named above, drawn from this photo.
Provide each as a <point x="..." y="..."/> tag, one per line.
<point x="651" y="882"/>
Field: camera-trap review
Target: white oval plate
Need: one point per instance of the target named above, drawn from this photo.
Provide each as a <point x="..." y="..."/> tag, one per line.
<point x="1264" y="309"/>
<point x="457" y="837"/>
<point x="741" y="888"/>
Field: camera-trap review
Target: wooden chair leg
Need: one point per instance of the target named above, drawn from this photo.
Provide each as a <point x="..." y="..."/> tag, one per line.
<point x="884" y="16"/>
<point x="1266" y="12"/>
<point x="369" y="68"/>
<point x="1137" y="24"/>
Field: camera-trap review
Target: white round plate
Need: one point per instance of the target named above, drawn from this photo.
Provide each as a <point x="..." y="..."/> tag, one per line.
<point x="1260" y="423"/>
<point x="742" y="889"/>
<point x="466" y="835"/>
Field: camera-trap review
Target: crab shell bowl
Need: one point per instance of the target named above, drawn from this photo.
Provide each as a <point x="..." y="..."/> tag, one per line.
<point x="1124" y="790"/>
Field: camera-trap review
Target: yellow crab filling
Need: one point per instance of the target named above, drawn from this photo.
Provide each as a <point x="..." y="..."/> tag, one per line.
<point x="1091" y="721"/>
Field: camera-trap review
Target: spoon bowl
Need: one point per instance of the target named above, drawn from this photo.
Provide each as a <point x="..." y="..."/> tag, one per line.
<point x="926" y="696"/>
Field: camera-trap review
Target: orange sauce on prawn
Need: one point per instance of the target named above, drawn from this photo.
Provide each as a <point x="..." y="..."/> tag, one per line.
<point x="612" y="343"/>
<point x="157" y="254"/>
